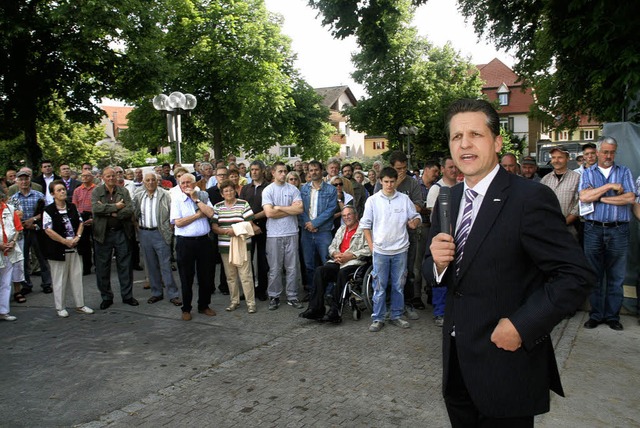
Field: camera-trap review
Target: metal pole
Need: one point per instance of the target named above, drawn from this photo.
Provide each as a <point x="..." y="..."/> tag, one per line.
<point x="178" y="137"/>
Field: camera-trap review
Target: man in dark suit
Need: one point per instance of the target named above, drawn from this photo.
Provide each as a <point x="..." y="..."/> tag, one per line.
<point x="70" y="183"/>
<point x="512" y="272"/>
<point x="44" y="179"/>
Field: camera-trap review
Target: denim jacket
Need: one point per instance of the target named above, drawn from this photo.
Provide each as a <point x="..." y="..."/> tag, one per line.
<point x="327" y="206"/>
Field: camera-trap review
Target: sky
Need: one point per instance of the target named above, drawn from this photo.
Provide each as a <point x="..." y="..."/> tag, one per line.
<point x="325" y="61"/>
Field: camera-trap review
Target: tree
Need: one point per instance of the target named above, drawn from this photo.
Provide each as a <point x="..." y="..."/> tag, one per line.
<point x="234" y="59"/>
<point x="76" y="51"/>
<point x="410" y="85"/>
<point x="580" y="56"/>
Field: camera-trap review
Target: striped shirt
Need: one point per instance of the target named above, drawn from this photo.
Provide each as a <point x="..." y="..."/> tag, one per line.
<point x="226" y="217"/>
<point x="593" y="178"/>
<point x="149" y="210"/>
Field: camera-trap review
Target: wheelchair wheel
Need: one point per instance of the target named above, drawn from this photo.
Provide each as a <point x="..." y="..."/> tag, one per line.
<point x="367" y="289"/>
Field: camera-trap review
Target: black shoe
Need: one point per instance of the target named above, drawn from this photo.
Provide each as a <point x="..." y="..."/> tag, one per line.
<point x="262" y="297"/>
<point x="25" y="290"/>
<point x="332" y="317"/>
<point x="615" y="325"/>
<point x="311" y="314"/>
<point x="138" y="268"/>
<point x="418" y="304"/>
<point x="131" y="301"/>
<point x="86" y="272"/>
<point x="47" y="289"/>
<point x="174" y="268"/>
<point x="105" y="304"/>
<point x="591" y="323"/>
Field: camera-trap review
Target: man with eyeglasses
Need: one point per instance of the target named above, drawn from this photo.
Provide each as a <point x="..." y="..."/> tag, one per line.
<point x="316" y="221"/>
<point x="215" y="196"/>
<point x="607" y="193"/>
<point x="190" y="213"/>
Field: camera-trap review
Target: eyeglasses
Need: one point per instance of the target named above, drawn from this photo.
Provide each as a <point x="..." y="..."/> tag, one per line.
<point x="337" y="184"/>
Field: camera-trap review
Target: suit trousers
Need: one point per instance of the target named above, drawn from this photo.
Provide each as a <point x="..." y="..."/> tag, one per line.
<point x="194" y="254"/>
<point x="67" y="273"/>
<point x="157" y="259"/>
<point x="329" y="272"/>
<point x="114" y="240"/>
<point x="463" y="413"/>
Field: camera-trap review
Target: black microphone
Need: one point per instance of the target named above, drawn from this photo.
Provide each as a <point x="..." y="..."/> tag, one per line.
<point x="445" y="209"/>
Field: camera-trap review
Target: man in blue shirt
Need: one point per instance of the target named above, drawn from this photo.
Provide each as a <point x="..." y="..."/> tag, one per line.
<point x="606" y="194"/>
<point x="320" y="203"/>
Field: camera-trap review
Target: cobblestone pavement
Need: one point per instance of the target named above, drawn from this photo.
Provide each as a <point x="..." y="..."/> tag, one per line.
<point x="143" y="366"/>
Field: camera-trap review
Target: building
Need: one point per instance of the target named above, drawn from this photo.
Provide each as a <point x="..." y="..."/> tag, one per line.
<point x="503" y="85"/>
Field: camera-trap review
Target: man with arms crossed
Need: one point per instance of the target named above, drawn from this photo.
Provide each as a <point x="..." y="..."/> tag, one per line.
<point x="512" y="272"/>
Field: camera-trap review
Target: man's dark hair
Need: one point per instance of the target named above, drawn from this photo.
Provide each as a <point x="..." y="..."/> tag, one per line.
<point x="87" y="163"/>
<point x="388" y="172"/>
<point x="588" y="146"/>
<point x="316" y="163"/>
<point x="468" y="105"/>
<point x="258" y="163"/>
<point x="346" y="164"/>
<point x="43" y="161"/>
<point x="166" y="164"/>
<point x="445" y="158"/>
<point x="355" y="165"/>
<point x="397" y="156"/>
<point x="277" y="164"/>
<point x="431" y="163"/>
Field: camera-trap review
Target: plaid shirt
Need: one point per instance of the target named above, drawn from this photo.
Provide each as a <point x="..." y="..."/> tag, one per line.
<point x="566" y="189"/>
<point x="82" y="198"/>
<point x="26" y="203"/>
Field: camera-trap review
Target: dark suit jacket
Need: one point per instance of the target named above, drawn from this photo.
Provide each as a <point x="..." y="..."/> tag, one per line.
<point x="72" y="187"/>
<point x="521" y="263"/>
<point x="40" y="180"/>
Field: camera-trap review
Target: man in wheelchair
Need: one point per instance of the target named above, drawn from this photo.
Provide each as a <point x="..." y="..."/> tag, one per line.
<point x="347" y="251"/>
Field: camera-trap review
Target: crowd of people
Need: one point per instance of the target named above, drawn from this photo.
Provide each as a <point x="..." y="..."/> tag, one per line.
<point x="513" y="255"/>
<point x="247" y="220"/>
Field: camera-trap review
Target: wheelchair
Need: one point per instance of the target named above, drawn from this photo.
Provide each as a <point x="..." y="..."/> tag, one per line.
<point x="357" y="294"/>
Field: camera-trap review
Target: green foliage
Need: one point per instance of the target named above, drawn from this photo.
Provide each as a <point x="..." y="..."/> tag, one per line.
<point x="76" y="51"/>
<point x="411" y="85"/>
<point x="508" y="145"/>
<point x="580" y="56"/>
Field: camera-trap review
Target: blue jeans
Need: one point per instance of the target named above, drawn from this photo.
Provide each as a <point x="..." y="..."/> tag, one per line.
<point x="606" y="250"/>
<point x="387" y="269"/>
<point x="312" y="244"/>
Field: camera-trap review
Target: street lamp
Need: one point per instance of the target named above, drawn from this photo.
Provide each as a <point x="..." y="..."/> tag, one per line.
<point x="408" y="131"/>
<point x="173" y="107"/>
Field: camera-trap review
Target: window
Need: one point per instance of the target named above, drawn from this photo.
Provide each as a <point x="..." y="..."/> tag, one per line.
<point x="507" y="123"/>
<point x="588" y="135"/>
<point x="288" y="151"/>
<point x="378" y="145"/>
<point x="347" y="130"/>
<point x="347" y="151"/>
<point x="563" y="136"/>
<point x="503" y="99"/>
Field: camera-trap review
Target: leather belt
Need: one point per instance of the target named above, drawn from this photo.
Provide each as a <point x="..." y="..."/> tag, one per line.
<point x="148" y="228"/>
<point x="194" y="238"/>
<point x="607" y="224"/>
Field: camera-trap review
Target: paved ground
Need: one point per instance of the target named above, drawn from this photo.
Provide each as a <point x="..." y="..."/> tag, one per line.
<point x="130" y="366"/>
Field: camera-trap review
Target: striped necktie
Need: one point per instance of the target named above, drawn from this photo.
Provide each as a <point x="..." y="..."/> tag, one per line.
<point x="465" y="226"/>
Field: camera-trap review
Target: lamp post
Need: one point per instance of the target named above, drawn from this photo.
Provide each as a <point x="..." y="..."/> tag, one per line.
<point x="408" y="131"/>
<point x="173" y="106"/>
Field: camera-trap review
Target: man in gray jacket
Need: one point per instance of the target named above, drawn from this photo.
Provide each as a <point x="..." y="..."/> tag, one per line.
<point x="151" y="209"/>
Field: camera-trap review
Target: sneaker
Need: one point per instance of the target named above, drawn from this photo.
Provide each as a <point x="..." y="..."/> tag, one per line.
<point x="400" y="323"/>
<point x="7" y="317"/>
<point x="376" y="326"/>
<point x="438" y="320"/>
<point x="295" y="303"/>
<point x="274" y="303"/>
<point x="84" y="310"/>
<point x="251" y="309"/>
<point x="411" y="313"/>
<point x="62" y="313"/>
